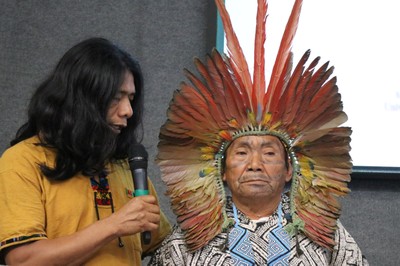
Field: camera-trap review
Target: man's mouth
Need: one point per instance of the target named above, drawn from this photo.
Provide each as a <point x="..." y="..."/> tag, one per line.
<point x="117" y="128"/>
<point x="255" y="179"/>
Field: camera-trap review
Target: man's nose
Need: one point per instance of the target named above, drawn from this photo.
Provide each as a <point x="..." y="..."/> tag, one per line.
<point x="255" y="162"/>
<point x="125" y="109"/>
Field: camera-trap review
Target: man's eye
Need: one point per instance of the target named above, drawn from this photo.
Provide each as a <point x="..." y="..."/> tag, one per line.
<point x="116" y="99"/>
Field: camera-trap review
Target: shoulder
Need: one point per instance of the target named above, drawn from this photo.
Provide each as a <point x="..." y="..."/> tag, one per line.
<point x="346" y="249"/>
<point x="175" y="238"/>
<point x="342" y="237"/>
<point x="172" y="249"/>
<point x="20" y="165"/>
<point x="26" y="154"/>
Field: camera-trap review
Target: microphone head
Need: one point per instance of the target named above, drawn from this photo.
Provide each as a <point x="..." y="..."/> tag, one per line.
<point x="138" y="156"/>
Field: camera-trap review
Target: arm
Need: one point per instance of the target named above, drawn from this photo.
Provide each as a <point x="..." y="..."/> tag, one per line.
<point x="138" y="215"/>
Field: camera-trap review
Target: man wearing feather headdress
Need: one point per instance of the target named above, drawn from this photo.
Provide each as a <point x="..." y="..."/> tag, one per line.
<point x="260" y="140"/>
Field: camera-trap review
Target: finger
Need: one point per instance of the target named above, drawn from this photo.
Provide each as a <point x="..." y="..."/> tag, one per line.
<point x="139" y="203"/>
<point x="148" y="198"/>
<point x="151" y="225"/>
<point x="153" y="218"/>
<point x="152" y="208"/>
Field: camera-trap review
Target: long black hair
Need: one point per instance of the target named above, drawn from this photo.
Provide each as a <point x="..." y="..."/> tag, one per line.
<point x="68" y="110"/>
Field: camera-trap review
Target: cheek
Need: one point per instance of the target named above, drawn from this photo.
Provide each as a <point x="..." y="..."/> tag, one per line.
<point x="236" y="164"/>
<point x="235" y="168"/>
<point x="111" y="113"/>
<point x="232" y="175"/>
<point x="275" y="168"/>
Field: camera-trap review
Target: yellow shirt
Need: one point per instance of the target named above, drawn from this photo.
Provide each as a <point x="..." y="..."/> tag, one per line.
<point x="33" y="207"/>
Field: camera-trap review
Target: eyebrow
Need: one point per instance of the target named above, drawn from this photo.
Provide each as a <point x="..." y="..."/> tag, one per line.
<point x="247" y="144"/>
<point x="123" y="91"/>
<point x="264" y="142"/>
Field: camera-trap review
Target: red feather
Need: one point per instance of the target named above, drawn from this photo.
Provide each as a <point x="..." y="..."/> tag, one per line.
<point x="283" y="52"/>
<point x="237" y="57"/>
<point x="259" y="50"/>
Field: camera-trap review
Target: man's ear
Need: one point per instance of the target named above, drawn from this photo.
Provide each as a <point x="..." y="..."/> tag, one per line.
<point x="223" y="177"/>
<point x="289" y="172"/>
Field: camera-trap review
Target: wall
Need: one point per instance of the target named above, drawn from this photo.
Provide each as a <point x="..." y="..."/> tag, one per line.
<point x="164" y="36"/>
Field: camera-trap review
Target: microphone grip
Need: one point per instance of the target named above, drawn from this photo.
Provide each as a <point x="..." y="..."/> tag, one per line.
<point x="146" y="237"/>
<point x="140" y="182"/>
<point x="141" y="188"/>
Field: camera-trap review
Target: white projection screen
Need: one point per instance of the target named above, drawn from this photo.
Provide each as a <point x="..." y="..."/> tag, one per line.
<point x="361" y="39"/>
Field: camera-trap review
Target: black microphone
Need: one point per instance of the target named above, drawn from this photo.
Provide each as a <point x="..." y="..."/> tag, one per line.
<point x="138" y="163"/>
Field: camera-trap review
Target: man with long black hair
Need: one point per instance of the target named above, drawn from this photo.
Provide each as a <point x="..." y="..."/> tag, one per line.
<point x="65" y="183"/>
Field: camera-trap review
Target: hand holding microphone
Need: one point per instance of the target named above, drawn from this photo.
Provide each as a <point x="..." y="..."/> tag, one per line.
<point x="138" y="163"/>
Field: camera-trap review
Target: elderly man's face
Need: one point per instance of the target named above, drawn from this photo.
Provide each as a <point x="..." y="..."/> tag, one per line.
<point x="255" y="167"/>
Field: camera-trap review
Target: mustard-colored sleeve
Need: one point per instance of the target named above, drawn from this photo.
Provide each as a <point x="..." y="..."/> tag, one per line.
<point x="163" y="230"/>
<point x="22" y="214"/>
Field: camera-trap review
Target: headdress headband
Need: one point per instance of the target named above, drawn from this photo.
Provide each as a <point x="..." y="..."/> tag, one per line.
<point x="301" y="106"/>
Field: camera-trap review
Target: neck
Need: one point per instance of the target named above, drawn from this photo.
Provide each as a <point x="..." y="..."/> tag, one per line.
<point x="255" y="209"/>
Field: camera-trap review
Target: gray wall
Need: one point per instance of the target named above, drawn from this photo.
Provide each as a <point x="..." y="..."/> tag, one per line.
<point x="164" y="36"/>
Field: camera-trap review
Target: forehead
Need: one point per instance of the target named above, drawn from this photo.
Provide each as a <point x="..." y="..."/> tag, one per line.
<point x="128" y="84"/>
<point x="257" y="141"/>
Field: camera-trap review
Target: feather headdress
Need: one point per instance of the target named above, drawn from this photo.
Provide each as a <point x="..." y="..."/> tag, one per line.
<point x="301" y="106"/>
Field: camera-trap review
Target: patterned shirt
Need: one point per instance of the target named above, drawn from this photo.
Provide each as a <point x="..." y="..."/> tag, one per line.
<point x="174" y="250"/>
